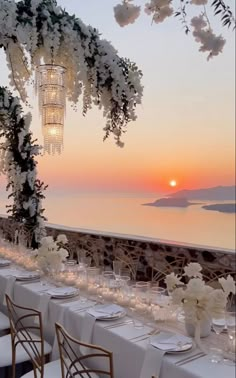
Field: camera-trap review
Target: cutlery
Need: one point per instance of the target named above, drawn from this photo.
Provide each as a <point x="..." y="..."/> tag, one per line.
<point x="145" y="335"/>
<point x="190" y="359"/>
<point x="119" y="324"/>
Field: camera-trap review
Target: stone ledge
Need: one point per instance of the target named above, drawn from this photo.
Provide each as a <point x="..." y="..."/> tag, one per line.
<point x="146" y="258"/>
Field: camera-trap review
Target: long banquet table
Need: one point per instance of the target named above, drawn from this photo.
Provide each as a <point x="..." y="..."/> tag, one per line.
<point x="128" y="354"/>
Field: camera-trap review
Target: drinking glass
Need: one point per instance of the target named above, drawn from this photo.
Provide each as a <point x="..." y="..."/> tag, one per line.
<point x="218" y="325"/>
<point x="231" y="330"/>
<point x="117" y="266"/>
<point x="133" y="300"/>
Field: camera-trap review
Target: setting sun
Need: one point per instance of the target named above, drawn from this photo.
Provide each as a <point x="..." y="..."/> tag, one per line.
<point x="172" y="183"/>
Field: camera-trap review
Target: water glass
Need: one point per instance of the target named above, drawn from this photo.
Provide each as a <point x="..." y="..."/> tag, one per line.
<point x="117" y="266"/>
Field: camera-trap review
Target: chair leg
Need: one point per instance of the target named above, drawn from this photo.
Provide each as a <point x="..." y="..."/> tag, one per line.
<point x="13" y="361"/>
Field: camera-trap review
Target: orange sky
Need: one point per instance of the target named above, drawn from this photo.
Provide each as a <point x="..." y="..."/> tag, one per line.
<point x="185" y="128"/>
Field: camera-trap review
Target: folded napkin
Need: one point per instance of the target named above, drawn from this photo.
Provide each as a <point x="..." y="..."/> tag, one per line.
<point x="159" y="345"/>
<point x="9" y="288"/>
<point x="167" y="341"/>
<point x="152" y="362"/>
<point x="43" y="306"/>
<point x="88" y="323"/>
<point x="104" y="311"/>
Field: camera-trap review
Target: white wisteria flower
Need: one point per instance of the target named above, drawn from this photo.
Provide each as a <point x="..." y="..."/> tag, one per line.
<point x="172" y="280"/>
<point x="126" y="13"/>
<point x="193" y="270"/>
<point x="228" y="284"/>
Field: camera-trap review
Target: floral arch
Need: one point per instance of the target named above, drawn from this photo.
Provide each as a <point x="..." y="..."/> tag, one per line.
<point x="36" y="31"/>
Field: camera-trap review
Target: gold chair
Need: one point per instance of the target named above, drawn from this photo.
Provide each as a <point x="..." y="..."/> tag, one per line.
<point x="76" y="364"/>
<point x="27" y="342"/>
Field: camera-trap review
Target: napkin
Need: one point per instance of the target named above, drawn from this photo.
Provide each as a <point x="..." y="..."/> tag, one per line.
<point x="167" y="341"/>
<point x="43" y="306"/>
<point x="9" y="288"/>
<point x="88" y="323"/>
<point x="152" y="362"/>
<point x="103" y="311"/>
<point x="159" y="345"/>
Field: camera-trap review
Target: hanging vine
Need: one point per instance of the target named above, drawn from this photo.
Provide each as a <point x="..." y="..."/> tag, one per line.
<point x="18" y="152"/>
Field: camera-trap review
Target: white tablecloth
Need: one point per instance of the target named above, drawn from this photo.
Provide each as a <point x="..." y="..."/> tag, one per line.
<point x="128" y="354"/>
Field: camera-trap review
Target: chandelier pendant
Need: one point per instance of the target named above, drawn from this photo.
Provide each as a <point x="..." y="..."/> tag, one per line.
<point x="50" y="85"/>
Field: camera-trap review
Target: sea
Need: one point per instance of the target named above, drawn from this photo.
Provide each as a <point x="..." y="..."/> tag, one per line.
<point x="126" y="214"/>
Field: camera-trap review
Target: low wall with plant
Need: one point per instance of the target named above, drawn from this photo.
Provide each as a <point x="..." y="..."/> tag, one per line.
<point x="146" y="258"/>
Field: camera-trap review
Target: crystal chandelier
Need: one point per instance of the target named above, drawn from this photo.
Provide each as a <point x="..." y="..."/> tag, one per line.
<point x="50" y="85"/>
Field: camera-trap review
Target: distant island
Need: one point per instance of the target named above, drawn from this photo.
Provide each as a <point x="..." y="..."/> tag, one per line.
<point x="221" y="207"/>
<point x="170" y="202"/>
<point x="218" y="193"/>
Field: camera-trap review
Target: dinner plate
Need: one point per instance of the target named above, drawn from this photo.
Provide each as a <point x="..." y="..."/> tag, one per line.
<point x="27" y="276"/>
<point x="113" y="317"/>
<point x="4" y="263"/>
<point x="62" y="292"/>
<point x="180" y="347"/>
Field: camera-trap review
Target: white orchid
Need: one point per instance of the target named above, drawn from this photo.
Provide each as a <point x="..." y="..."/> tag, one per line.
<point x="199" y="300"/>
<point x="193" y="270"/>
<point x="62" y="239"/>
<point x="228" y="284"/>
<point x="172" y="280"/>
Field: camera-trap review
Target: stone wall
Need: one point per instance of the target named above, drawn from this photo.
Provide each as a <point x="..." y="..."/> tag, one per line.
<point x="146" y="258"/>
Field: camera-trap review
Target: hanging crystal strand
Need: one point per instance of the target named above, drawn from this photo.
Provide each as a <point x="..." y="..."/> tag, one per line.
<point x="52" y="104"/>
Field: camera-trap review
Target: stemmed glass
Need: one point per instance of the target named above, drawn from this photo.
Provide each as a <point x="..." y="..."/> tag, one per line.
<point x="218" y="325"/>
<point x="231" y="330"/>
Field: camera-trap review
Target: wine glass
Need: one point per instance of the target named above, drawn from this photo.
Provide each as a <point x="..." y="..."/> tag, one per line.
<point x="231" y="330"/>
<point x="218" y="325"/>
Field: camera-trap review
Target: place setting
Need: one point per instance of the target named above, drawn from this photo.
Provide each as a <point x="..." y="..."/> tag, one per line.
<point x="164" y="342"/>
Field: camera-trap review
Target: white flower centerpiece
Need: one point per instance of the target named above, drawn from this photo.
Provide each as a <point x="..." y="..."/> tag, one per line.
<point x="51" y="253"/>
<point x="200" y="302"/>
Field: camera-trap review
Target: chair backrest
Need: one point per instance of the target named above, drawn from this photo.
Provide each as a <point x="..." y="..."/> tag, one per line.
<point x="26" y="330"/>
<point x="77" y="364"/>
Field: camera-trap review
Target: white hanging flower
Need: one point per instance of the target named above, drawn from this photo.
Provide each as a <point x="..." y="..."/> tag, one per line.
<point x="172" y="280"/>
<point x="227" y="284"/>
<point x="126" y="13"/>
<point x="204" y="35"/>
<point x="193" y="270"/>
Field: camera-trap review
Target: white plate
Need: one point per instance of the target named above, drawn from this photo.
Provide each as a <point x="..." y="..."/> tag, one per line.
<point x="113" y="317"/>
<point x="27" y="276"/>
<point x="181" y="348"/>
<point x="62" y="292"/>
<point x="4" y="263"/>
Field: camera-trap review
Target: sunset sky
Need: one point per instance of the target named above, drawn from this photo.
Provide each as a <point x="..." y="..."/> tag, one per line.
<point x="185" y="129"/>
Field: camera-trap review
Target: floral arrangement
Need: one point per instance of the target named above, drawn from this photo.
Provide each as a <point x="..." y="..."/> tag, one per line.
<point x="51" y="253"/>
<point x="34" y="32"/>
<point x="199" y="301"/>
<point x="18" y="152"/>
<point x="160" y="10"/>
